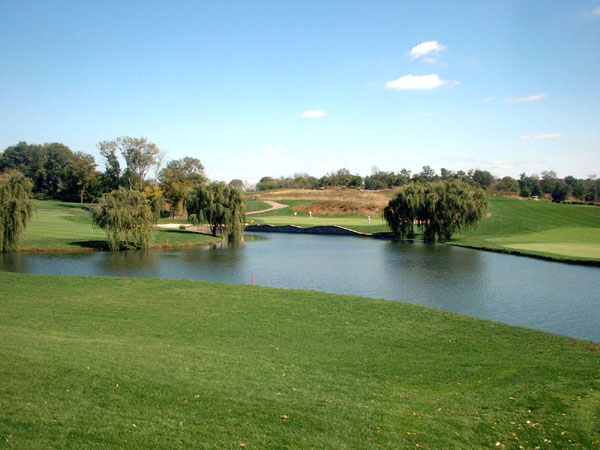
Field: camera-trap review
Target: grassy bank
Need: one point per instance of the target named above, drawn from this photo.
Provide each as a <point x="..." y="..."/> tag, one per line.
<point x="536" y="228"/>
<point x="539" y="228"/>
<point x="140" y="363"/>
<point x="59" y="226"/>
<point x="357" y="222"/>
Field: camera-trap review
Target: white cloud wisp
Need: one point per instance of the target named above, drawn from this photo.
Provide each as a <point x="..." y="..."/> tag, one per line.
<point x="531" y="98"/>
<point x="415" y="82"/>
<point x="316" y="114"/>
<point x="425" y="48"/>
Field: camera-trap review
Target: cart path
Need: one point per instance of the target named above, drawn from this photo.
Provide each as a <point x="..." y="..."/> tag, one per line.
<point x="274" y="206"/>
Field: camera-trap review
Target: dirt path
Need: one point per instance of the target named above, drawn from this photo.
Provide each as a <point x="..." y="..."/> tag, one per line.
<point x="274" y="206"/>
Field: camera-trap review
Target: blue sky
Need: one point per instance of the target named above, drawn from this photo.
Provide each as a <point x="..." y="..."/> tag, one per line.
<point x="274" y="88"/>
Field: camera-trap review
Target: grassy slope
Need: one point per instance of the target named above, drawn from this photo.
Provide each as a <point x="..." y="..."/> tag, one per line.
<point x="139" y="363"/>
<point x="66" y="227"/>
<point x="286" y="217"/>
<point x="562" y="232"/>
<point x="543" y="228"/>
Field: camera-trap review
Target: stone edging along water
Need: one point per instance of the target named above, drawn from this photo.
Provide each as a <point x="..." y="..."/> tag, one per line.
<point x="319" y="229"/>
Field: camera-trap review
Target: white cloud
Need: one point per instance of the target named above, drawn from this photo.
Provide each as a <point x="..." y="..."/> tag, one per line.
<point x="543" y="136"/>
<point x="270" y="151"/>
<point x="409" y="82"/>
<point x="596" y="11"/>
<point x="488" y="99"/>
<point x="316" y="114"/>
<point x="426" y="47"/>
<point x="531" y="98"/>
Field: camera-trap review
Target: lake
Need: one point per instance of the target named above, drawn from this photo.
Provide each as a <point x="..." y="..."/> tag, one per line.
<point x="550" y="296"/>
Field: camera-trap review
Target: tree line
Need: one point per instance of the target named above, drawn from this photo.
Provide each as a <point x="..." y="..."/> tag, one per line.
<point x="547" y="183"/>
<point x="128" y="202"/>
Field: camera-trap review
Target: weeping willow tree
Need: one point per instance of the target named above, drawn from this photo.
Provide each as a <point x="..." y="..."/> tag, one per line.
<point x="438" y="209"/>
<point x="403" y="212"/>
<point x="16" y="209"/>
<point x="221" y="206"/>
<point x="127" y="218"/>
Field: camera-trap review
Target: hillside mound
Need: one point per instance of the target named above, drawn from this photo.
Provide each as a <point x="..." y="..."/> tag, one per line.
<point x="336" y="208"/>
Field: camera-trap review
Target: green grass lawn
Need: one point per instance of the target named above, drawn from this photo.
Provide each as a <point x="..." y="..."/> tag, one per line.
<point x="569" y="232"/>
<point x="149" y="363"/>
<point x="256" y="205"/>
<point x="286" y="217"/>
<point x="60" y="226"/>
<point x="539" y="228"/>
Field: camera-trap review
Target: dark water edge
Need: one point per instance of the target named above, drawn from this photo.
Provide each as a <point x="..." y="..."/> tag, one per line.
<point x="549" y="296"/>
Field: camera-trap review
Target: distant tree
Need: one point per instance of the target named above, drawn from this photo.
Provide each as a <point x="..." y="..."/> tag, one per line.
<point x="139" y="155"/>
<point x="446" y="174"/>
<point x="178" y="178"/>
<point x="507" y="184"/>
<point x="266" y="184"/>
<point x="427" y="173"/>
<point x="16" y="208"/>
<point x="112" y="172"/>
<point x="548" y="181"/>
<point x="78" y="177"/>
<point x="578" y="190"/>
<point x="529" y="186"/>
<point x="219" y="205"/>
<point x="438" y="208"/>
<point x="342" y="177"/>
<point x="560" y="190"/>
<point x="237" y="184"/>
<point x="483" y="178"/>
<point x="126" y="217"/>
<point x="44" y="164"/>
<point x="154" y="197"/>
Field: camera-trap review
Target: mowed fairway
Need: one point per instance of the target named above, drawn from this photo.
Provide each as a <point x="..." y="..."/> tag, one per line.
<point x="539" y="228"/>
<point x="60" y="226"/>
<point x="302" y="219"/>
<point x="149" y="363"/>
<point x="569" y="232"/>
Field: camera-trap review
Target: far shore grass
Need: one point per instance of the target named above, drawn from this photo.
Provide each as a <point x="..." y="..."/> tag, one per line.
<point x="101" y="362"/>
<point x="60" y="226"/>
<point x="561" y="232"/>
<point x="538" y="228"/>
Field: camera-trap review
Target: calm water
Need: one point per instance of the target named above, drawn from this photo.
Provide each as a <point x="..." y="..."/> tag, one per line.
<point x="559" y="298"/>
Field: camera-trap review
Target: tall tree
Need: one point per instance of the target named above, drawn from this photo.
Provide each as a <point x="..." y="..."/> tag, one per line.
<point x="112" y="172"/>
<point x="139" y="155"/>
<point x="483" y="178"/>
<point x="78" y="176"/>
<point x="404" y="211"/>
<point x="43" y="164"/>
<point x="178" y="178"/>
<point x="16" y="208"/>
<point x="560" y="190"/>
<point x="126" y="217"/>
<point x="438" y="208"/>
<point x="219" y="205"/>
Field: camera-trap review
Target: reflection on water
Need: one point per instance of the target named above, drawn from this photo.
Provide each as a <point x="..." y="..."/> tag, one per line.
<point x="550" y="296"/>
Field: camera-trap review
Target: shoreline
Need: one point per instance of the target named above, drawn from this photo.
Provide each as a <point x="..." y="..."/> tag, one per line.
<point x="335" y="230"/>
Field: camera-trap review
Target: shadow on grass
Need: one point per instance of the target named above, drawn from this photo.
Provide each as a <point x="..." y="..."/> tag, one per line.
<point x="185" y="232"/>
<point x="84" y="206"/>
<point x="92" y="245"/>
